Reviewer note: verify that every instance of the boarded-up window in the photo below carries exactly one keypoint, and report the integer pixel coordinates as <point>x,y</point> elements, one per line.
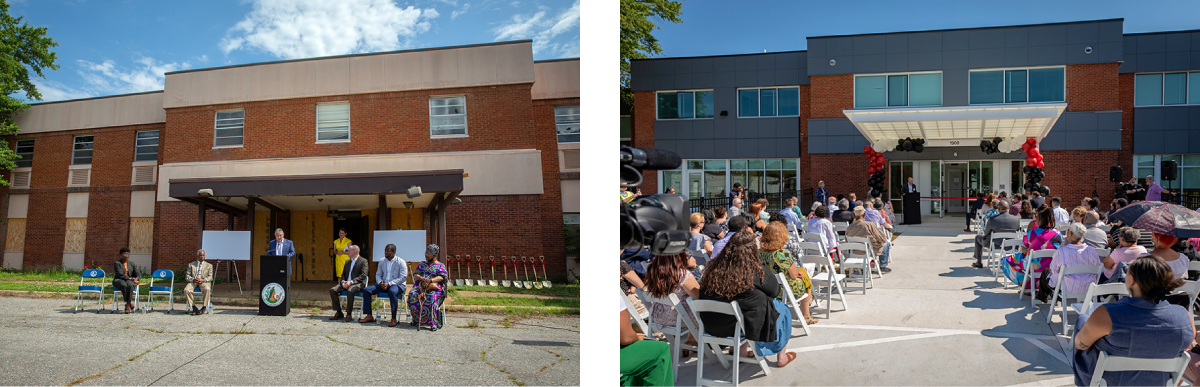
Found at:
<point>16,235</point>
<point>76,235</point>
<point>570,158</point>
<point>141,235</point>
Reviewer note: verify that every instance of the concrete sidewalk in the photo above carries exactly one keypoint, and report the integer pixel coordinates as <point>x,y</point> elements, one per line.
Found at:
<point>46,344</point>
<point>934,320</point>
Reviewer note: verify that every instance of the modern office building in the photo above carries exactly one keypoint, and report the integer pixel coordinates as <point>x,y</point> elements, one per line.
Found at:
<point>310,146</point>
<point>1092,96</point>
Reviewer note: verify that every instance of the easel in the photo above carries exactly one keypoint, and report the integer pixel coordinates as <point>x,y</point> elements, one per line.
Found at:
<point>228,263</point>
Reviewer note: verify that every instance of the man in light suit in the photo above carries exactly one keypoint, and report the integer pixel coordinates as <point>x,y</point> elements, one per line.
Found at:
<point>1005,222</point>
<point>281,246</point>
<point>354,279</point>
<point>199,275</point>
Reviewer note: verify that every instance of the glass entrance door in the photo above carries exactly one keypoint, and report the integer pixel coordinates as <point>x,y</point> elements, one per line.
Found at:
<point>956,186</point>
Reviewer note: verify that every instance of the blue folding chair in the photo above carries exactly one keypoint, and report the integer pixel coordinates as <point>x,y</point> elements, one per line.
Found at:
<point>98,289</point>
<point>198,294</point>
<point>162,291</point>
<point>356,313</point>
<point>137,305</point>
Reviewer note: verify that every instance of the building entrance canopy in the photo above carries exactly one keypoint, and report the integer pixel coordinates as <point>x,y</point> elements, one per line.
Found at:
<point>956,125</point>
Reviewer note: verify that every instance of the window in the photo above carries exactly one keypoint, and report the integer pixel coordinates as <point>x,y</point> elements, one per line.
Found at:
<point>229,128</point>
<point>146,148</point>
<point>876,91</point>
<point>714,178</point>
<point>82,154</point>
<point>448,116</point>
<point>1188,182</point>
<point>25,150</point>
<point>333,122</point>
<point>780,102</point>
<point>1166,89</point>
<point>1017,86</point>
<point>566,119</point>
<point>685,104</point>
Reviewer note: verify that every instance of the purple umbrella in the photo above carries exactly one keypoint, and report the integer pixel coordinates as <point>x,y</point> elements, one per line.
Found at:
<point>1159,217</point>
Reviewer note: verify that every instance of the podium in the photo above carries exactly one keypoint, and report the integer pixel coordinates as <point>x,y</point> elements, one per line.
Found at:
<point>274,286</point>
<point>912,208</point>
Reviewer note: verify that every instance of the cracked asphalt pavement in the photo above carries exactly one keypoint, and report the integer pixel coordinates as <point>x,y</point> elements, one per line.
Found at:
<point>45,343</point>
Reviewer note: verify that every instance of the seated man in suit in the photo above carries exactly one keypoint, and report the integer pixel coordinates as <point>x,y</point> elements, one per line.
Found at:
<point>389,279</point>
<point>354,279</point>
<point>199,275</point>
<point>280,246</point>
<point>125,279</point>
<point>1005,222</point>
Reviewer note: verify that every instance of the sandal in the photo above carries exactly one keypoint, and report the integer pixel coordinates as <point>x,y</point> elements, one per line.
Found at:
<point>791,356</point>
<point>811,321</point>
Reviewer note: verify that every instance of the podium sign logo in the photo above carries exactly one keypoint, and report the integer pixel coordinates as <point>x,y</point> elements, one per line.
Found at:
<point>272,294</point>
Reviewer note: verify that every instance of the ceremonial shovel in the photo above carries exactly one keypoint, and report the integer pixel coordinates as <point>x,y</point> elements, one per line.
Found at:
<point>479,265</point>
<point>528,283</point>
<point>505,283</point>
<point>458,271</point>
<point>492,263</point>
<point>469,281</point>
<point>546,280</point>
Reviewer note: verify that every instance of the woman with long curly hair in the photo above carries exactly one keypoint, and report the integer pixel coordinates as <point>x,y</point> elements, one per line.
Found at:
<point>670,274</point>
<point>782,260</point>
<point>738,275</point>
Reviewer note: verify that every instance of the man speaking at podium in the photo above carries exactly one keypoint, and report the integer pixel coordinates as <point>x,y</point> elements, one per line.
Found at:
<point>281,246</point>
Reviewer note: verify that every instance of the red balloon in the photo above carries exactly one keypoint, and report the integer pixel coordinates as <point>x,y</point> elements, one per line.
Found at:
<point>867,149</point>
<point>871,170</point>
<point>1041,164</point>
<point>1030,141</point>
<point>1025,147</point>
<point>1039,158</point>
<point>1034,152</point>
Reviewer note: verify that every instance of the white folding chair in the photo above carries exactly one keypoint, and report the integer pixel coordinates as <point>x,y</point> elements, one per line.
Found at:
<point>1029,273</point>
<point>1110,293</point>
<point>840,230</point>
<point>97,289</point>
<point>1103,253</point>
<point>870,252</point>
<point>1192,288</point>
<point>679,332</point>
<point>1061,294</point>
<point>792,232</point>
<point>820,240</point>
<point>1104,227</point>
<point>854,256</point>
<point>633,313</point>
<point>163,291</point>
<point>793,303</point>
<point>1107,363</point>
<point>1062,227</point>
<point>1008,247</point>
<point>827,278</point>
<point>998,238</point>
<point>736,341</point>
<point>1025,225</point>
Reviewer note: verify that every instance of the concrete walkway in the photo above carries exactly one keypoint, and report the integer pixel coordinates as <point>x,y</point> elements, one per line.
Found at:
<point>933,320</point>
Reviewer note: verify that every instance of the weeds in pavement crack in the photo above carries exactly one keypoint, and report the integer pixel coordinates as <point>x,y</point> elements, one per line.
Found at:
<point>93,376</point>
<point>390,353</point>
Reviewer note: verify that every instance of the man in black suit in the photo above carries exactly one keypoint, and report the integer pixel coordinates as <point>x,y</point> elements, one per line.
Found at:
<point>910,187</point>
<point>354,279</point>
<point>975,206</point>
<point>125,279</point>
<point>1005,222</point>
<point>1037,201</point>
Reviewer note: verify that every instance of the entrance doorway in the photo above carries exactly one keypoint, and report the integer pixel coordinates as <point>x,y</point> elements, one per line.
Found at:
<point>956,186</point>
<point>358,229</point>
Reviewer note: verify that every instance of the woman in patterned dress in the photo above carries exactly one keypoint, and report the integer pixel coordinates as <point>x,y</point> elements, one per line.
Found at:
<point>1041,235</point>
<point>779,259</point>
<point>671,274</point>
<point>427,290</point>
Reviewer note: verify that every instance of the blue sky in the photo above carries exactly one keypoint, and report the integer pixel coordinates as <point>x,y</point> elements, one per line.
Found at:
<point>116,47</point>
<point>712,27</point>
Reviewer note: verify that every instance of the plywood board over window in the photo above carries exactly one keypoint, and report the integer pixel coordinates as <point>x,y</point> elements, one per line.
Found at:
<point>141,235</point>
<point>16,235</point>
<point>76,235</point>
<point>408,219</point>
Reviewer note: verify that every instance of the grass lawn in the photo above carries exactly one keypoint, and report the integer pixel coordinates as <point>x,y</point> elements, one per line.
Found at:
<point>55,287</point>
<point>567,290</point>
<point>516,301</point>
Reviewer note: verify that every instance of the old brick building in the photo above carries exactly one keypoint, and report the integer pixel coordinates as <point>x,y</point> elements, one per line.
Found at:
<point>309,146</point>
<point>1092,97</point>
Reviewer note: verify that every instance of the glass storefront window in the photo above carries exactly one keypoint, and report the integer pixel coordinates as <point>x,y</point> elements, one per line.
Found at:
<point>673,179</point>
<point>986,176</point>
<point>715,178</point>
<point>714,183</point>
<point>935,186</point>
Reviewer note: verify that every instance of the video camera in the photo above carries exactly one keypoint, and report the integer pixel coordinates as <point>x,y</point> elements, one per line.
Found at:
<point>658,221</point>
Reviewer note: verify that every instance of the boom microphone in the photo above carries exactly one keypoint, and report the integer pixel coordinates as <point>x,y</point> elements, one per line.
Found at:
<point>650,158</point>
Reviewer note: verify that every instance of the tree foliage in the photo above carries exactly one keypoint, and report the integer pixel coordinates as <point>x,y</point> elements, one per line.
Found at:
<point>637,40</point>
<point>24,50</point>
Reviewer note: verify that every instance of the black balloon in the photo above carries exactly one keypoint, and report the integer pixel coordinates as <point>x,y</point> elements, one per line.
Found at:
<point>1045,190</point>
<point>919,147</point>
<point>1027,169</point>
<point>908,145</point>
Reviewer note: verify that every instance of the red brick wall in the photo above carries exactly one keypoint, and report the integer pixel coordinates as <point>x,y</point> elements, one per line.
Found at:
<point>45,232</point>
<point>843,173</point>
<point>831,94</point>
<point>498,117</point>
<point>175,232</point>
<point>1092,87</point>
<point>643,134</point>
<point>1069,174</point>
<point>503,226</point>
<point>806,178</point>
<point>107,224</point>
<point>553,238</point>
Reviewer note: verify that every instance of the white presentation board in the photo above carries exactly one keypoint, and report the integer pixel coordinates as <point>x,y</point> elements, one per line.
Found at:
<point>410,244</point>
<point>226,245</point>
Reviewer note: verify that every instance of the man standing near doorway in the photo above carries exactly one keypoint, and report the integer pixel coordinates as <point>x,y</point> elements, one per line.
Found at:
<point>280,246</point>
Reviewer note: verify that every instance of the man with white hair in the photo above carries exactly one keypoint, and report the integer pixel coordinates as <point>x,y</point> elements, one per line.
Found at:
<point>199,275</point>
<point>353,280</point>
<point>280,246</point>
<point>1153,190</point>
<point>832,204</point>
<point>736,209</point>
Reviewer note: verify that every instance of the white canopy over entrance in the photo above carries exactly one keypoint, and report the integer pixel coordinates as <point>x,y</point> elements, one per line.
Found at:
<point>956,125</point>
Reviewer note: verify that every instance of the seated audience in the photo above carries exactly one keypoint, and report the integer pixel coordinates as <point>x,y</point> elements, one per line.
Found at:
<point>1077,214</point>
<point>1074,253</point>
<point>126,279</point>
<point>199,275</point>
<point>1128,251</point>
<point>643,362</point>
<point>671,274</point>
<point>762,211</point>
<point>427,290</point>
<point>832,203</point>
<point>812,209</point>
<point>791,216</point>
<point>1174,259</point>
<point>1095,236</point>
<point>779,259</point>
<point>1027,210</point>
<point>757,223</point>
<point>1015,208</point>
<point>1142,326</point>
<point>844,213</point>
<point>796,207</point>
<point>629,282</point>
<point>1060,214</point>
<point>1041,236</point>
<point>865,229</point>
<point>872,213</point>
<point>736,224</point>
<point>1001,221</point>
<point>699,245</point>
<point>823,227</point>
<point>738,275</point>
<point>1037,201</point>
<point>720,217</point>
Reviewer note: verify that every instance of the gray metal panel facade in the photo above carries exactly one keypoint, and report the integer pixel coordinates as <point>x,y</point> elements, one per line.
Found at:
<point>1166,129</point>
<point>730,138</point>
<point>1166,51</point>
<point>1097,130</point>
<point>834,135</point>
<point>1018,46</point>
<point>752,70</point>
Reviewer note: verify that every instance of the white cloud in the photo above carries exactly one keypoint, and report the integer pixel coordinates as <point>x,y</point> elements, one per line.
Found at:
<point>108,78</point>
<point>203,58</point>
<point>543,30</point>
<point>292,29</point>
<point>456,13</point>
<point>55,91</point>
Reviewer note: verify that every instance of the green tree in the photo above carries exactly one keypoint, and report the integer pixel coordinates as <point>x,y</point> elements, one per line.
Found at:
<point>23,49</point>
<point>637,42</point>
